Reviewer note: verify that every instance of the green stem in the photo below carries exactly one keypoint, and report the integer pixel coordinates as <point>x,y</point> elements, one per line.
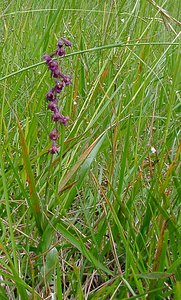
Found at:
<point>117,45</point>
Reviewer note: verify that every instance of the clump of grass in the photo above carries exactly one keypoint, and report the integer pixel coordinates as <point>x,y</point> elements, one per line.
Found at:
<point>100,219</point>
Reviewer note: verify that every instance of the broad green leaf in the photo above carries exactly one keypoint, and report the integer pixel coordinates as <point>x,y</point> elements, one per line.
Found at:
<point>50,265</point>
<point>177,295</point>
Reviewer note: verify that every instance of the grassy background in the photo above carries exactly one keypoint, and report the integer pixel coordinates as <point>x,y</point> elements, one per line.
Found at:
<point>99,220</point>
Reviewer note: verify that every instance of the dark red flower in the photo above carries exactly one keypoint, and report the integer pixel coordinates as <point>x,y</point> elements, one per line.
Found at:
<point>61,51</point>
<point>59,86</point>
<point>47,58</point>
<point>56,116</point>
<point>54,149</point>
<point>66,42</point>
<point>67,79</point>
<point>60,43</point>
<point>53,106</point>
<point>53,65</point>
<point>56,73</point>
<point>53,135</point>
<point>50,96</point>
<point>64,120</point>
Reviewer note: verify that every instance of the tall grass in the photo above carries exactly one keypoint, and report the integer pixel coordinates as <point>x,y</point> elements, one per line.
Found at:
<point>101,219</point>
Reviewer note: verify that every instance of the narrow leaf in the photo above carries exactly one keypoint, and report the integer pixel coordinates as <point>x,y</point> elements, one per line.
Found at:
<point>34,200</point>
<point>79,244</point>
<point>154,275</point>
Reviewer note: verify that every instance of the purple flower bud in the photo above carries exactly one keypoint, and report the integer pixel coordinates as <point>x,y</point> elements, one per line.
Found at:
<point>54,149</point>
<point>53,106</point>
<point>50,96</point>
<point>67,79</point>
<point>56,73</point>
<point>56,116</point>
<point>64,120</point>
<point>60,43</point>
<point>59,86</point>
<point>52,64</point>
<point>47,58</point>
<point>61,51</point>
<point>66,42</point>
<point>53,135</point>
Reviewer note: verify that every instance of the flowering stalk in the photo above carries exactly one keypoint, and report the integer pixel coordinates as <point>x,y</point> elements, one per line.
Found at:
<point>61,82</point>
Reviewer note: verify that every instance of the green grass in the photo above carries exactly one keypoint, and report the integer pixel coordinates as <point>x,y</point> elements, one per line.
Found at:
<point>100,219</point>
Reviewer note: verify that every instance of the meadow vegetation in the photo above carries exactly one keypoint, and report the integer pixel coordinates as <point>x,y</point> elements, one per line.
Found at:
<point>100,218</point>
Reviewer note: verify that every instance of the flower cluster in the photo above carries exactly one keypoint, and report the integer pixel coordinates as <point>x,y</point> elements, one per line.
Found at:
<point>61,82</point>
